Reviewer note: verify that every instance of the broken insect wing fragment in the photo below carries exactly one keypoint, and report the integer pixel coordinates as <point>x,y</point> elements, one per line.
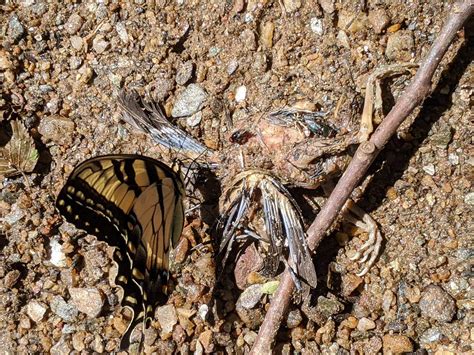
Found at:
<point>281,236</point>
<point>313,121</point>
<point>149,118</point>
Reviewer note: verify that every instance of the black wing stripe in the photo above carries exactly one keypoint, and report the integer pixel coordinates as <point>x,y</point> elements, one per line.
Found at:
<point>135,204</point>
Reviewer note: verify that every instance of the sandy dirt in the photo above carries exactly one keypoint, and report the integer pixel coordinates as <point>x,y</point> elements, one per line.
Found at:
<point>61,69</point>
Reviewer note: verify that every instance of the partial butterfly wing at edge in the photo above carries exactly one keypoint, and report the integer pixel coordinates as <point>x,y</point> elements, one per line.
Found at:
<point>133,203</point>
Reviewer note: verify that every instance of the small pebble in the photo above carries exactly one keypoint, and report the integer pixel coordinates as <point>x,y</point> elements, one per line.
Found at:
<point>394,28</point>
<point>437,304</point>
<point>213,51</point>
<point>453,159</point>
<point>400,46</point>
<point>65,311</point>
<point>266,36</point>
<point>57,258</point>
<point>194,120</point>
<point>294,319</point>
<point>15,215</point>
<point>232,66</point>
<point>36,310</point>
<point>329,306</point>
<point>252,318</point>
<point>76,42</point>
<point>122,32</point>
<point>185,72</point>
<point>87,300</point>
<point>189,101</point>
<point>78,341</point>
<point>162,88</point>
<point>62,347</point>
<point>250,297</point>
<point>350,283</point>
<point>203,311</point>
<point>240,93</point>
<point>56,129</point>
<point>379,20</point>
<point>15,29</point>
<point>469,198</point>
<point>250,337</point>
<point>413,294</point>
<point>429,169</point>
<point>166,316</point>
<point>291,5</point>
<point>199,349</point>
<point>397,344</point>
<point>316,25</point>
<point>5,60</point>
<point>115,80</point>
<point>365,324</point>
<point>99,44</point>
<point>206,340</point>
<point>431,335</point>
<point>387,300</point>
<point>11,278</point>
<point>73,24</point>
<point>75,62</point>
<point>25,322</point>
<point>151,335</point>
<point>327,6</point>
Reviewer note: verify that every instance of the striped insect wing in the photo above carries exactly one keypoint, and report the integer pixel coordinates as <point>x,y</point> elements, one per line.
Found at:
<point>135,204</point>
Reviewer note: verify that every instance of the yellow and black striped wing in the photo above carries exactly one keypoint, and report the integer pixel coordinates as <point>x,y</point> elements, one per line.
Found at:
<point>133,203</point>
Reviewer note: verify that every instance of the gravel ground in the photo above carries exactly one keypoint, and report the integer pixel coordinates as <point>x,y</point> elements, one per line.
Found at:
<point>216,66</point>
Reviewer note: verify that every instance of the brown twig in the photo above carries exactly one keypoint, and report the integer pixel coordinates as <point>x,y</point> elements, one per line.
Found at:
<point>414,94</point>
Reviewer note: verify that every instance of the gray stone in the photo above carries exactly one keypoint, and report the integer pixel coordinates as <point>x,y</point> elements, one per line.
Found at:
<point>122,32</point>
<point>76,42</point>
<point>64,310</point>
<point>316,25</point>
<point>15,215</point>
<point>232,66</point>
<point>185,72</point>
<point>437,304</point>
<point>194,120</point>
<point>250,297</point>
<point>15,29</point>
<point>431,335</point>
<point>294,319</point>
<point>87,300</point>
<point>469,198</point>
<point>190,101</point>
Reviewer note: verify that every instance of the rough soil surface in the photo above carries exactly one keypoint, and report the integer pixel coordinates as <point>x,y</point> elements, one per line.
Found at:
<point>61,69</point>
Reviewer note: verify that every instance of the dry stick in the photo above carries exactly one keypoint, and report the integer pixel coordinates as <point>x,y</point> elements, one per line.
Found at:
<point>414,94</point>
